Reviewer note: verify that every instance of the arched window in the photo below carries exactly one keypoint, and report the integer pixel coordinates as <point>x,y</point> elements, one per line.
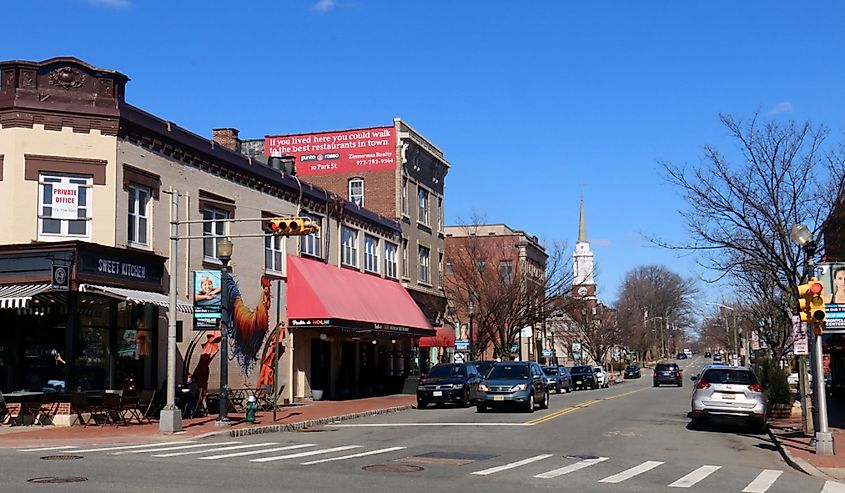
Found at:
<point>356,191</point>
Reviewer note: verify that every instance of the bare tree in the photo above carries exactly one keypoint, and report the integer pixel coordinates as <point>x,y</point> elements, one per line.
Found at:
<point>594,325</point>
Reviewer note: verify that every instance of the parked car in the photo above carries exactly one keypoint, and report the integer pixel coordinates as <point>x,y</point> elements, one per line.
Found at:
<point>520,383</point>
<point>483,367</point>
<point>667,373</point>
<point>728,393</point>
<point>565,378</point>
<point>707,354</point>
<point>601,377</point>
<point>449,383</point>
<point>583,377</point>
<point>681,356</point>
<point>717,357</point>
<point>632,371</point>
<point>554,380</point>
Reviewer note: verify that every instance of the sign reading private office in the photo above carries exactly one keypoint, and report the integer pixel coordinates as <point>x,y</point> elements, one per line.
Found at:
<point>65,201</point>
<point>208,300</point>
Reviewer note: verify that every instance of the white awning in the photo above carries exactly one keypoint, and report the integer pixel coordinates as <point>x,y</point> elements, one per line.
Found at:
<point>18,295</point>
<point>136,296</point>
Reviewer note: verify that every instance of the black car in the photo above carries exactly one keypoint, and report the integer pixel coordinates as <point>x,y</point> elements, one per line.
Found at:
<point>681,356</point>
<point>632,371</point>
<point>707,354</point>
<point>667,373</point>
<point>583,377</point>
<point>449,383</point>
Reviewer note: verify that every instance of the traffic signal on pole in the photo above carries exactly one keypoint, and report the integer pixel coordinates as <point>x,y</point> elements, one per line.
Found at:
<point>811,303</point>
<point>287,226</point>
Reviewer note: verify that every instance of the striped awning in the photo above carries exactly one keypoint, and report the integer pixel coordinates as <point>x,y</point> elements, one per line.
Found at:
<point>136,296</point>
<point>18,295</point>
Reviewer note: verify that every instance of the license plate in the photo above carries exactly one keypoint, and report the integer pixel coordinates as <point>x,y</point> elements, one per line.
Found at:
<point>728,396</point>
<point>578,382</point>
<point>437,393</point>
<point>498,397</point>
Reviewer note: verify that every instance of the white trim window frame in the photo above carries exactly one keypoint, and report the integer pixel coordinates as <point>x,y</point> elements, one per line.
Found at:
<point>137,233</point>
<point>405,195</point>
<point>356,191</point>
<point>49,228</point>
<point>274,254</point>
<point>348,247</point>
<point>212,231</point>
<point>423,206</point>
<point>425,264</point>
<point>311,244</point>
<point>405,268</point>
<point>390,260</point>
<point>371,254</point>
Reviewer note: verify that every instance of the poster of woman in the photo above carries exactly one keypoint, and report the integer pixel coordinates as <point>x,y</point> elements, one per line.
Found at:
<point>207,299</point>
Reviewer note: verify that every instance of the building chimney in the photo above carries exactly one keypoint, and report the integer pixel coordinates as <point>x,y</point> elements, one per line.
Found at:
<point>227,137</point>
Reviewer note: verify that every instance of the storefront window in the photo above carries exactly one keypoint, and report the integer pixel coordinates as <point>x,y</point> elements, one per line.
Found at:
<point>135,346</point>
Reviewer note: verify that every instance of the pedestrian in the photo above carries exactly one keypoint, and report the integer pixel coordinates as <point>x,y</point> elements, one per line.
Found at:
<point>191,394</point>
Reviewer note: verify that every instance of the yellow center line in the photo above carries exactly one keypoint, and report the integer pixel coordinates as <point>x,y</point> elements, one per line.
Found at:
<point>576,407</point>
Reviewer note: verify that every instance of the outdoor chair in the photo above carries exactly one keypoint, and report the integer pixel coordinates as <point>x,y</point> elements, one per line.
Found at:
<point>5,412</point>
<point>147,403</point>
<point>264,396</point>
<point>80,403</point>
<point>48,408</point>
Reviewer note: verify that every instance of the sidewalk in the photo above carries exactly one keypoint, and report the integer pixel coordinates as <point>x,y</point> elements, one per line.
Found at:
<point>795,446</point>
<point>297,416</point>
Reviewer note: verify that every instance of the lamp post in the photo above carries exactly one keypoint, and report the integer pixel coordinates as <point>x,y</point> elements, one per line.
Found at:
<point>471,313</point>
<point>801,234</point>
<point>731,334</point>
<point>224,253</point>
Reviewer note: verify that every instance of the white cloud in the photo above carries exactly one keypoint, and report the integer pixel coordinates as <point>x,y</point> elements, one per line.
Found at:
<point>117,4</point>
<point>323,6</point>
<point>782,107</point>
<point>603,243</point>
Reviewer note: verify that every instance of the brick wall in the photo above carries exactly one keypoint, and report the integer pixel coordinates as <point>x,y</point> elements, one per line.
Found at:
<point>227,137</point>
<point>379,189</point>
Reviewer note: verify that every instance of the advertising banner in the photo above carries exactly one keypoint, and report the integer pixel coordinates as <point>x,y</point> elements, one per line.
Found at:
<point>800,341</point>
<point>346,151</point>
<point>832,276</point>
<point>208,300</point>
<point>65,197</point>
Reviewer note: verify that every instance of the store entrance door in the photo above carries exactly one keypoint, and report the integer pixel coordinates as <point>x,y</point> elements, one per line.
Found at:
<point>321,353</point>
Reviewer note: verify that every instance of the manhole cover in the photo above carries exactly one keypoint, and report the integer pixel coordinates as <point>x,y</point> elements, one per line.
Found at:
<point>53,479</point>
<point>582,457</point>
<point>61,457</point>
<point>391,468</point>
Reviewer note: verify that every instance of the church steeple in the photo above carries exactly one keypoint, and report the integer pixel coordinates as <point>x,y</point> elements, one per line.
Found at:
<point>582,225</point>
<point>584,283</point>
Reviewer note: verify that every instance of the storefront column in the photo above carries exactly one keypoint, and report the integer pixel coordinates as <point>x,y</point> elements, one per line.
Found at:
<point>357,381</point>
<point>71,329</point>
<point>111,378</point>
<point>334,364</point>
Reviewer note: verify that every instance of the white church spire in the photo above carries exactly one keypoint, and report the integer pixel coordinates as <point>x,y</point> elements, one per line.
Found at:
<point>584,283</point>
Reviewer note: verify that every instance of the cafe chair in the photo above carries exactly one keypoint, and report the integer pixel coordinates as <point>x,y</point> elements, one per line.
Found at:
<point>148,404</point>
<point>114,409</point>
<point>48,408</point>
<point>80,404</point>
<point>5,412</point>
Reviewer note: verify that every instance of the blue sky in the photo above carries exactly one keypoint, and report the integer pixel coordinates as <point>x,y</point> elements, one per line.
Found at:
<point>528,100</point>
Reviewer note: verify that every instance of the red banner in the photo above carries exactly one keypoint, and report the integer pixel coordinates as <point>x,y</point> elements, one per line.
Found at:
<point>347,151</point>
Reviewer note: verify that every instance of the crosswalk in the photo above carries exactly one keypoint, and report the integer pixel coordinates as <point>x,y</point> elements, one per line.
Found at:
<point>539,467</point>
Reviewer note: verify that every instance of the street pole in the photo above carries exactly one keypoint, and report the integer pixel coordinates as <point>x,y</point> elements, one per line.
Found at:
<point>224,253</point>
<point>170,418</point>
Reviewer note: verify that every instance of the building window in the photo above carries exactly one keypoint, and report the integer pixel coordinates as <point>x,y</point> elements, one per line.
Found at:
<point>404,195</point>
<point>450,268</point>
<point>425,274</point>
<point>64,202</point>
<point>274,254</point>
<point>440,269</point>
<point>310,244</point>
<point>390,260</point>
<point>506,271</point>
<point>356,191</point>
<point>212,231</point>
<point>423,217</point>
<point>439,213</point>
<point>139,202</point>
<point>370,253</point>
<point>349,247</point>
<point>404,258</point>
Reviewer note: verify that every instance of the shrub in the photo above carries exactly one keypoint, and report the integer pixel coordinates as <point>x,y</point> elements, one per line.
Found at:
<point>775,384</point>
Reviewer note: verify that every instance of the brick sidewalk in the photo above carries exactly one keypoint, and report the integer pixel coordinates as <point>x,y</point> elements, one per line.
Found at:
<point>307,413</point>
<point>795,445</point>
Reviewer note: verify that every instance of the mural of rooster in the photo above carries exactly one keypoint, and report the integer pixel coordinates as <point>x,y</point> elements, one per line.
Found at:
<point>248,327</point>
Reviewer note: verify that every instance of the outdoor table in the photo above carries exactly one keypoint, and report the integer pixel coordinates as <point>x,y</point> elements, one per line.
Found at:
<point>30,403</point>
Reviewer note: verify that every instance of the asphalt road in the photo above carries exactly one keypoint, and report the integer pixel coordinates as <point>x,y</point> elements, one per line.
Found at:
<point>630,437</point>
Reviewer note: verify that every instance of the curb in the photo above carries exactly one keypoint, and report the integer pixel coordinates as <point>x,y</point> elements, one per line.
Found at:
<point>258,430</point>
<point>797,462</point>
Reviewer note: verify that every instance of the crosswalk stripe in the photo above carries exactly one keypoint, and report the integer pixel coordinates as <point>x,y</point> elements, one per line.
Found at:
<point>178,447</point>
<point>695,476</point>
<point>763,481</point>
<point>44,449</point>
<point>128,447</point>
<point>512,465</point>
<point>630,473</point>
<point>221,449</point>
<point>570,468</point>
<point>833,487</point>
<point>354,456</point>
<point>254,452</point>
<point>306,454</point>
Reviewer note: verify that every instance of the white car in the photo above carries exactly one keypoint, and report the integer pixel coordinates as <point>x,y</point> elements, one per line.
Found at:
<point>601,377</point>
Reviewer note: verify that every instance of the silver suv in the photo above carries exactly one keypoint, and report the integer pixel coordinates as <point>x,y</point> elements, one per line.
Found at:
<point>730,393</point>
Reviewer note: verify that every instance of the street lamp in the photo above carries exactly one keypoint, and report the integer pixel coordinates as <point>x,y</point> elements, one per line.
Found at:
<point>471,313</point>
<point>731,335</point>
<point>801,234</point>
<point>224,253</point>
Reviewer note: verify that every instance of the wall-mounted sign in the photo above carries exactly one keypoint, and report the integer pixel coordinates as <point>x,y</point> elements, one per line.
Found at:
<point>65,197</point>
<point>60,276</point>
<point>310,322</point>
<point>120,266</point>
<point>208,300</point>
<point>462,345</point>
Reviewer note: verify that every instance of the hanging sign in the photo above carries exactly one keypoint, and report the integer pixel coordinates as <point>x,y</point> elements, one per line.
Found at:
<point>65,201</point>
<point>208,300</point>
<point>800,341</point>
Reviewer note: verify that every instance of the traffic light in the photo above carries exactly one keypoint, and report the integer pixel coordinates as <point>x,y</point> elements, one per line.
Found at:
<point>287,226</point>
<point>812,304</point>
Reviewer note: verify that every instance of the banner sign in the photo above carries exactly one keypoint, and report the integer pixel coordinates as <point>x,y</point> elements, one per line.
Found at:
<point>208,300</point>
<point>346,151</point>
<point>832,276</point>
<point>755,341</point>
<point>800,341</point>
<point>462,345</point>
<point>65,201</point>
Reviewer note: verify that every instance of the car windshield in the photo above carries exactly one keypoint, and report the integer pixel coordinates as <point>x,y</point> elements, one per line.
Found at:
<point>550,371</point>
<point>581,369</point>
<point>666,367</point>
<point>508,372</point>
<point>729,376</point>
<point>484,367</point>
<point>440,371</point>
<point>632,367</point>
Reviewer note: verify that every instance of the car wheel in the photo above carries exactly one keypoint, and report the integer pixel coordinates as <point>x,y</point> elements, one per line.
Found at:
<point>466,402</point>
<point>421,404</point>
<point>558,389</point>
<point>569,389</point>
<point>530,404</point>
<point>680,384</point>
<point>481,408</point>
<point>655,384</point>
<point>545,404</point>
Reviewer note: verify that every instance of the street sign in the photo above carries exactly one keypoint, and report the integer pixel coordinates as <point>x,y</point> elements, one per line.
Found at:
<point>460,357</point>
<point>800,341</point>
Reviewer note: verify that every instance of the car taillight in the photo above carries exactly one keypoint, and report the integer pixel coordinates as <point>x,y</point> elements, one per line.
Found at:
<point>677,374</point>
<point>702,384</point>
<point>755,387</point>
<point>654,374</point>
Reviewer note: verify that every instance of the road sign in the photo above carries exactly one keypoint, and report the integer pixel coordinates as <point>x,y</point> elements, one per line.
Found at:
<point>800,341</point>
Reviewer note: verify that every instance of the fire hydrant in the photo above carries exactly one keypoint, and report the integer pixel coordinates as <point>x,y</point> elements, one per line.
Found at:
<point>251,406</point>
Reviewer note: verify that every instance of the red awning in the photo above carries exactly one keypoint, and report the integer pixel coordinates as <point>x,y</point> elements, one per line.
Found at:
<point>445,338</point>
<point>321,295</point>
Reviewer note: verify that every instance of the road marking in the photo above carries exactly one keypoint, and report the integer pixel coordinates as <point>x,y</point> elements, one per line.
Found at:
<point>576,407</point>
<point>763,481</point>
<point>306,454</point>
<point>222,449</point>
<point>571,468</point>
<point>833,487</point>
<point>398,425</point>
<point>44,449</point>
<point>695,476</point>
<point>165,449</point>
<point>512,465</point>
<point>254,452</point>
<point>354,456</point>
<point>630,473</point>
<point>127,447</point>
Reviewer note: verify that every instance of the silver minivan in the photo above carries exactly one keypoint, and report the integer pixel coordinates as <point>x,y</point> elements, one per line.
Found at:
<point>728,393</point>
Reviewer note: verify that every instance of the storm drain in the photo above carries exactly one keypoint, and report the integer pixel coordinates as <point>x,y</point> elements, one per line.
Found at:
<point>447,458</point>
<point>391,468</point>
<point>61,457</point>
<point>582,457</point>
<point>54,479</point>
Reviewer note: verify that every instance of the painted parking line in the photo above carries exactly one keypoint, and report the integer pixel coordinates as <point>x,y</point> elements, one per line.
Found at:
<point>763,481</point>
<point>571,468</point>
<point>256,452</point>
<point>512,465</point>
<point>128,447</point>
<point>168,448</point>
<point>833,487</point>
<point>354,456</point>
<point>695,476</point>
<point>306,454</point>
<point>630,473</point>
<point>221,449</point>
